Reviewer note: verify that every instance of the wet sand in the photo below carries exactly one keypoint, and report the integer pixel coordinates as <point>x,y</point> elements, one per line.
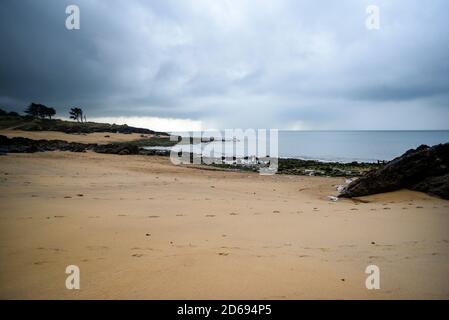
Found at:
<point>140,227</point>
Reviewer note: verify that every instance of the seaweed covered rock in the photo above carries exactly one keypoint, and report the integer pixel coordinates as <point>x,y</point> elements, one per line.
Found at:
<point>117,148</point>
<point>423,169</point>
<point>25,145</point>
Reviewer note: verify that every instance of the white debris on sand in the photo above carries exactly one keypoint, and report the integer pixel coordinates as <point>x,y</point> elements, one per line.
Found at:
<point>341,187</point>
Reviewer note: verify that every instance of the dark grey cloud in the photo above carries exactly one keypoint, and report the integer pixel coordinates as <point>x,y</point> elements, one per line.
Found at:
<point>285,64</point>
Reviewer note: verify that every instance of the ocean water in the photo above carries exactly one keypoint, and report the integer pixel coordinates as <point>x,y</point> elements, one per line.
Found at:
<point>347,146</point>
<point>341,146</point>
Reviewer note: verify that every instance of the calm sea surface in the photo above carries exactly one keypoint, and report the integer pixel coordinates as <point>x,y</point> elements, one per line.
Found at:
<point>345,146</point>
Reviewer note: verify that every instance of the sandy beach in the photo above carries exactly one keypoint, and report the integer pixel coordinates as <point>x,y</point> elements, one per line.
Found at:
<point>139,227</point>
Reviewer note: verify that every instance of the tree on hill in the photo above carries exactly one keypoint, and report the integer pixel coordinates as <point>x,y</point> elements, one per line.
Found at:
<point>33,110</point>
<point>13,114</point>
<point>76,114</point>
<point>45,112</point>
<point>10,113</point>
<point>40,110</point>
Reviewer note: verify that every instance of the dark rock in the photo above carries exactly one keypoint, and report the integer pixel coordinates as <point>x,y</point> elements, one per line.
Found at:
<point>438,186</point>
<point>24,145</point>
<point>146,152</point>
<point>424,169</point>
<point>117,148</point>
<point>163,152</point>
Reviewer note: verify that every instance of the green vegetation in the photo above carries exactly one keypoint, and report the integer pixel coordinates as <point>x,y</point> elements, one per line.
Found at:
<point>331,169</point>
<point>39,118</point>
<point>310,167</point>
<point>29,123</point>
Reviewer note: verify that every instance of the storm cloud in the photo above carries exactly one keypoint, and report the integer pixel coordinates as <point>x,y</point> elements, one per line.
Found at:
<point>222,64</point>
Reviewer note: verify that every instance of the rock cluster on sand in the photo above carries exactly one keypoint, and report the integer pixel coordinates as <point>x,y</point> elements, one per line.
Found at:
<point>423,169</point>
<point>25,145</point>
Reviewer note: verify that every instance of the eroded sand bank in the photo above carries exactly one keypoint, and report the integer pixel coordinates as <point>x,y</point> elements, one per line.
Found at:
<point>96,137</point>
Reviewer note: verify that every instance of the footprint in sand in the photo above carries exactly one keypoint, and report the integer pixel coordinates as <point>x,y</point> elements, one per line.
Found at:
<point>386,208</point>
<point>59,216</point>
<point>180,215</point>
<point>276,211</point>
<point>137,255</point>
<point>223,253</point>
<point>67,197</point>
<point>233,214</point>
<point>419,207</point>
<point>122,215</point>
<point>354,209</point>
<point>210,215</point>
<point>153,216</point>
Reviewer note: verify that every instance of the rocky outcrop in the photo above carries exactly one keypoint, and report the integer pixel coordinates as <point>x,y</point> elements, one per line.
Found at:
<point>423,169</point>
<point>154,152</point>
<point>31,124</point>
<point>25,145</point>
<point>117,148</point>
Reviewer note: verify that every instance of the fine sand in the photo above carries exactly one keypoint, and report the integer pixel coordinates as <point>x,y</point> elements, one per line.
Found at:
<point>97,137</point>
<point>140,227</point>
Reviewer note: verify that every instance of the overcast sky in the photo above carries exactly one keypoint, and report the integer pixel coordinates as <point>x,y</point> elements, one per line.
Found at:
<point>231,64</point>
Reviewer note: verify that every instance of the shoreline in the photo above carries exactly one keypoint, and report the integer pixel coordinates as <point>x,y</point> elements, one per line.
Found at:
<point>23,142</point>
